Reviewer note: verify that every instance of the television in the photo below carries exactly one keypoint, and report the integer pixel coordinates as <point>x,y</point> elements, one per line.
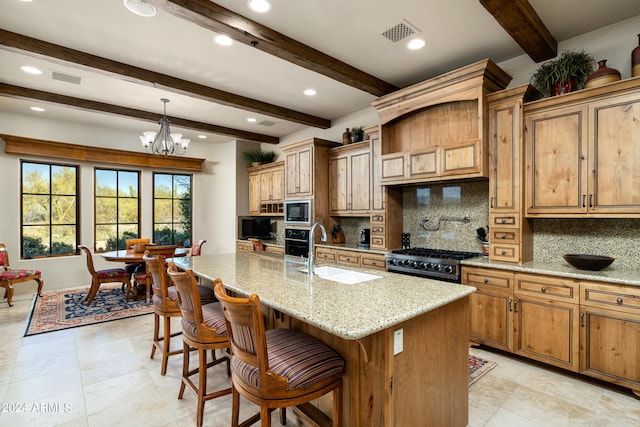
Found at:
<point>258,228</point>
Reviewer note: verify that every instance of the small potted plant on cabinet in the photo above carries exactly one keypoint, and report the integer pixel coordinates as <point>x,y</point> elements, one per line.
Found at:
<point>258,157</point>
<point>357,134</point>
<point>567,73</point>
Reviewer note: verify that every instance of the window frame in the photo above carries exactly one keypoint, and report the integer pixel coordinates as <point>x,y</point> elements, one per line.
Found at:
<point>174,199</point>
<point>50,224</point>
<point>117,197</point>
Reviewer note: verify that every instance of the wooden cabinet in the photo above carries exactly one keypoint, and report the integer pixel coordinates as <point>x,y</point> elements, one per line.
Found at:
<point>510,237</point>
<point>610,333</point>
<point>274,249</point>
<point>244,246</point>
<point>350,180</point>
<point>583,157</point>
<point>351,258</point>
<point>266,189</point>
<point>534,316</point>
<point>299,170</point>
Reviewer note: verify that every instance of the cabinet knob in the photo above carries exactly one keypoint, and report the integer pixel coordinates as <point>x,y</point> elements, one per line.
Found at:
<point>486,280</point>
<point>504,235</point>
<point>543,289</point>
<point>503,220</point>
<point>503,252</point>
<point>619,300</point>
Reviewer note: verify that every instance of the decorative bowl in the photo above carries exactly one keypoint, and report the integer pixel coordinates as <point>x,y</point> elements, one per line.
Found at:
<point>588,262</point>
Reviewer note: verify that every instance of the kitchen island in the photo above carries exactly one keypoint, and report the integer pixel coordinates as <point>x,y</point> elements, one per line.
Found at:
<point>404,338</point>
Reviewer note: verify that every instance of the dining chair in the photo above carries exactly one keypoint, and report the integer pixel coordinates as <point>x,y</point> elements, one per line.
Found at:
<point>165,305</point>
<point>9,276</point>
<point>98,277</point>
<point>203,328</point>
<point>130,246</point>
<point>277,368</point>
<point>142,278</point>
<point>196,248</point>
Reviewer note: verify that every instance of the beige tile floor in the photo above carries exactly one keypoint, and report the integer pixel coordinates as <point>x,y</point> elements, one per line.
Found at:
<point>101,375</point>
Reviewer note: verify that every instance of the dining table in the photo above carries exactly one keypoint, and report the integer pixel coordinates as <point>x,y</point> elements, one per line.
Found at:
<point>125,256</point>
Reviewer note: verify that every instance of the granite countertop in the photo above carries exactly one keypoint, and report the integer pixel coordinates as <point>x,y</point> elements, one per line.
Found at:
<point>349,247</point>
<point>348,311</point>
<point>610,274</point>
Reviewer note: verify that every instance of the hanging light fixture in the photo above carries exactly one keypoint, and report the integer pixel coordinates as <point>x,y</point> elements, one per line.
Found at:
<point>164,142</point>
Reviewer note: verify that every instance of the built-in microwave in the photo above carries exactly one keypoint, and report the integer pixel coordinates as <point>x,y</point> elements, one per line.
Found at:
<point>297,212</point>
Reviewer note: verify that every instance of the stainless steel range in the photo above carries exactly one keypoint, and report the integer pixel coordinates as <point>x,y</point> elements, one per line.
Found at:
<point>431,263</point>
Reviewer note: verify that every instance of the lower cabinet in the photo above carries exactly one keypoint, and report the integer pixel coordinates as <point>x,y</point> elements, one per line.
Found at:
<point>244,246</point>
<point>587,327</point>
<point>351,258</point>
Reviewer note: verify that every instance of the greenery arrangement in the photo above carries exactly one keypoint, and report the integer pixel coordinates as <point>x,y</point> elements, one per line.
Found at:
<point>259,156</point>
<point>571,66</point>
<point>357,134</point>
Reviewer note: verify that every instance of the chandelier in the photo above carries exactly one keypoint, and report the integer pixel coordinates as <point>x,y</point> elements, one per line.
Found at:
<point>164,142</point>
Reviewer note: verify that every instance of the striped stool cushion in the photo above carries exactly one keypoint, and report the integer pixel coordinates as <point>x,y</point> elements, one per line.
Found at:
<point>206,296</point>
<point>300,358</point>
<point>213,318</point>
<point>112,273</point>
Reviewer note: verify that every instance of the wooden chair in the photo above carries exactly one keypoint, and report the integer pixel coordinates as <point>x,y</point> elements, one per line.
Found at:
<point>110,275</point>
<point>165,305</point>
<point>279,367</point>
<point>142,277</point>
<point>130,246</point>
<point>9,276</point>
<point>203,328</point>
<point>196,248</point>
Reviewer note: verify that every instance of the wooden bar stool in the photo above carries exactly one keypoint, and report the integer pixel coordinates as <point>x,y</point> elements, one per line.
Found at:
<point>203,328</point>
<point>279,367</point>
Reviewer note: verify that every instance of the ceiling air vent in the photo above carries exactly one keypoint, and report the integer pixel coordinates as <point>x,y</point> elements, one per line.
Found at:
<point>400,32</point>
<point>67,78</point>
<point>266,123</point>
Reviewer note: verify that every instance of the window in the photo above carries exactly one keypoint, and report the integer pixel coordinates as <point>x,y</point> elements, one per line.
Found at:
<point>172,209</point>
<point>117,208</point>
<point>49,202</point>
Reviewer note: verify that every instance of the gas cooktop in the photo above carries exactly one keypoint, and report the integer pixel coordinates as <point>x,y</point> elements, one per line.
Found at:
<point>427,262</point>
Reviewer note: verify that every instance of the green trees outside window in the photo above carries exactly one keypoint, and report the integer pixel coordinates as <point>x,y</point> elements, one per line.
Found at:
<point>117,208</point>
<point>172,209</point>
<point>49,214</point>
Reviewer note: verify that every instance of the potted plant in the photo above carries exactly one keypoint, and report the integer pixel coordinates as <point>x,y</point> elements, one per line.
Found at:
<point>566,73</point>
<point>357,134</point>
<point>258,157</point>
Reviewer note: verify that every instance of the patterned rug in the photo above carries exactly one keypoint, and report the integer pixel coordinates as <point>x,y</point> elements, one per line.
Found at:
<point>478,367</point>
<point>57,310</point>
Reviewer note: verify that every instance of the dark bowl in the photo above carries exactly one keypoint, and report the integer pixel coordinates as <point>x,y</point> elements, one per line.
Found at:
<point>588,262</point>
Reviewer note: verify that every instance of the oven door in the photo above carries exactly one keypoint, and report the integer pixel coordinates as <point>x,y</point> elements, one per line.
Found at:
<point>296,248</point>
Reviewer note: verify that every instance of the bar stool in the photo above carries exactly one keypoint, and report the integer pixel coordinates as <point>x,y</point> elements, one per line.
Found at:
<point>279,367</point>
<point>203,328</point>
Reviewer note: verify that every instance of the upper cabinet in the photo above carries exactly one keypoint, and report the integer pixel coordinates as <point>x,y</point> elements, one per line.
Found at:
<point>350,180</point>
<point>299,167</point>
<point>583,153</point>
<point>437,129</point>
<point>266,189</point>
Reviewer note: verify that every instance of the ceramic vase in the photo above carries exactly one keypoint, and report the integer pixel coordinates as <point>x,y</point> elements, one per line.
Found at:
<point>602,75</point>
<point>564,87</point>
<point>346,137</point>
<point>635,60</point>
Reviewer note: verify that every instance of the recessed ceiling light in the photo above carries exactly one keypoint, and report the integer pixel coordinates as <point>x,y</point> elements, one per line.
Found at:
<point>310,92</point>
<point>223,40</point>
<point>38,109</point>
<point>140,7</point>
<point>416,44</point>
<point>252,120</point>
<point>31,70</point>
<point>260,6</point>
<point>202,136</point>
<point>26,1</point>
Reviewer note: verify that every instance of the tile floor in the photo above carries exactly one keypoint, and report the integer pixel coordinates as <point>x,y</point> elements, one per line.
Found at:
<point>101,375</point>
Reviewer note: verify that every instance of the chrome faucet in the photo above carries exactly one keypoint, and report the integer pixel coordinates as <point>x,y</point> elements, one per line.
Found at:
<point>312,258</point>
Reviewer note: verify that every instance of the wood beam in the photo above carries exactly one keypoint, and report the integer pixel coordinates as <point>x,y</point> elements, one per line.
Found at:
<point>61,150</point>
<point>216,18</point>
<point>523,24</point>
<point>75,58</point>
<point>88,105</point>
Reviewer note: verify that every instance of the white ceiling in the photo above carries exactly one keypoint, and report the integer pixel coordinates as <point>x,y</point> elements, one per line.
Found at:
<point>458,32</point>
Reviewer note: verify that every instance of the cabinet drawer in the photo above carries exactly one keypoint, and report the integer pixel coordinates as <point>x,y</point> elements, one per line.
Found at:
<point>378,241</point>
<point>377,229</point>
<point>377,218</point>
<point>508,235</point>
<point>377,262</point>
<point>349,258</point>
<point>614,297</point>
<point>504,252</point>
<point>275,249</point>
<point>325,254</point>
<point>553,288</point>
<point>244,246</point>
<point>487,278</point>
<point>504,221</point>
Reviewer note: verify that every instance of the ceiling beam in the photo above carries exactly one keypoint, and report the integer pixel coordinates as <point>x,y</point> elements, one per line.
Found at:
<point>523,24</point>
<point>216,18</point>
<point>66,56</point>
<point>88,105</point>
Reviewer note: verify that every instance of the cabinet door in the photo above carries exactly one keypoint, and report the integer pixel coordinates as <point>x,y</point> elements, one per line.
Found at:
<point>505,130</point>
<point>254,193</point>
<point>360,182</point>
<point>305,171</point>
<point>556,161</point>
<point>292,184</point>
<point>615,145</point>
<point>461,159</point>
<point>377,191</point>
<point>338,201</point>
<point>277,185</point>
<point>265,186</point>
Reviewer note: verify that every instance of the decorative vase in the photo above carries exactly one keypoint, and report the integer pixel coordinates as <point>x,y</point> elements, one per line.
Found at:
<point>566,86</point>
<point>602,75</point>
<point>346,137</point>
<point>635,60</point>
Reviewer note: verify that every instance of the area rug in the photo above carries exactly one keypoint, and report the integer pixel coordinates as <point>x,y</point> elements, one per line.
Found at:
<point>479,367</point>
<point>57,310</point>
